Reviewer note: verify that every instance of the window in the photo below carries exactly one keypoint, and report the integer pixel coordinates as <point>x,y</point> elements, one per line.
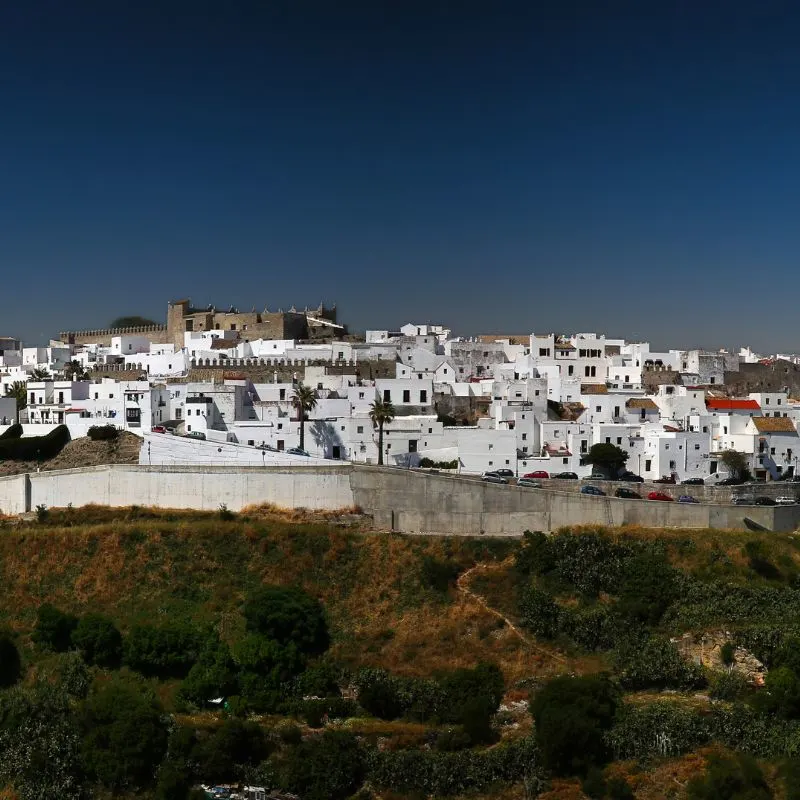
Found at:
<point>570,369</point>
<point>598,409</point>
<point>361,395</point>
<point>608,440</point>
<point>779,401</point>
<point>406,396</point>
<point>666,446</point>
<point>584,446</point>
<point>280,426</point>
<point>282,394</point>
<point>766,400</point>
<point>360,429</point>
<point>423,396</point>
<point>445,370</point>
<point>724,428</point>
<point>524,437</point>
<point>619,440</point>
<point>342,427</point>
<point>544,351</point>
<point>586,372</point>
<point>697,447</point>
<point>536,393</point>
<point>672,465</point>
<point>251,442</point>
<point>430,430</point>
<point>772,451</point>
<point>387,396</point>
<point>705,428</point>
<point>647,465</point>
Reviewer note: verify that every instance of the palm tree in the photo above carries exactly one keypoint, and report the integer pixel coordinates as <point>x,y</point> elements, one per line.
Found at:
<point>381,412</point>
<point>74,371</point>
<point>19,391</point>
<point>304,400</point>
<point>41,375</point>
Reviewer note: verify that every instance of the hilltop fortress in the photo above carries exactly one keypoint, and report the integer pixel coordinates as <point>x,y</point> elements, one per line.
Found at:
<point>315,324</point>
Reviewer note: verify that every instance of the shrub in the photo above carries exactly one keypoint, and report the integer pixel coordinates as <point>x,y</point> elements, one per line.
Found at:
<point>535,555</point>
<point>728,686</point>
<point>102,432</point>
<point>649,585</point>
<point>42,513</point>
<point>10,661</point>
<point>572,716</point>
<point>265,666</point>
<point>730,778</point>
<point>727,654</point>
<point>98,640</point>
<point>54,628</point>
<point>471,698</point>
<point>316,711</point>
<point>664,729</point>
<point>124,734</point>
<point>166,651</point>
<point>32,448</point>
<point>593,627</point>
<point>453,739</point>
<point>434,773</point>
<point>326,767</point>
<point>288,615</point>
<point>781,695</point>
<point>320,679</point>
<point>655,663</point>
<point>437,574</point>
<point>379,694</point>
<point>539,612</point>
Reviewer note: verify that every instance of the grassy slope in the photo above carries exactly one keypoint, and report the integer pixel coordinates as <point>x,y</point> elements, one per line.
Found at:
<point>136,565</point>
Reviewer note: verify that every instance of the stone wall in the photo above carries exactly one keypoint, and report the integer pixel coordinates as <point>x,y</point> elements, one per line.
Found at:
<point>156,334</point>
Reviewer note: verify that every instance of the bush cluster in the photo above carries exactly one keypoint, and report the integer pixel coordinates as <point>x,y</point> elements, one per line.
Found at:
<point>102,432</point>
<point>31,448</point>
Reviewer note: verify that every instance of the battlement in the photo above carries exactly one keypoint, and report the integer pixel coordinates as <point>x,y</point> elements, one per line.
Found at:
<point>155,333</point>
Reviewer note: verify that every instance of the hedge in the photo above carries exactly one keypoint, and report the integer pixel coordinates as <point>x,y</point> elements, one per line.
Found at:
<point>31,448</point>
<point>436,773</point>
<point>102,432</point>
<point>12,432</point>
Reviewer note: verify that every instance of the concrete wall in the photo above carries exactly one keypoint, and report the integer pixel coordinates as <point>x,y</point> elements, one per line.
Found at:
<point>414,502</point>
<point>191,487</point>
<point>401,500</point>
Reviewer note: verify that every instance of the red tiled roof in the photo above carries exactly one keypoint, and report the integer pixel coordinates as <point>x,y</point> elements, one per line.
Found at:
<point>732,404</point>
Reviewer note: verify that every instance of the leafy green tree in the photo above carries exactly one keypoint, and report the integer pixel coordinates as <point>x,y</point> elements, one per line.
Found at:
<point>40,374</point>
<point>10,661</point>
<point>381,413</point>
<point>288,615</point>
<point>304,399</point>
<point>234,745</point>
<point>572,716</point>
<point>379,694</point>
<point>265,666</point>
<point>607,458</point>
<point>40,744</point>
<point>471,698</point>
<point>655,663</point>
<point>326,767</point>
<point>133,322</point>
<point>98,640</point>
<point>649,586</point>
<point>539,612</point>
<point>54,628</point>
<point>124,734</point>
<point>781,695</point>
<point>736,463</point>
<point>164,651</point>
<point>214,675</point>
<point>730,778</point>
<point>74,371</point>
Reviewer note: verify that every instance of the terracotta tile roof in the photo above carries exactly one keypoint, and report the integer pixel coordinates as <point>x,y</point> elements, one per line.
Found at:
<point>594,388</point>
<point>564,346</point>
<point>641,402</point>
<point>774,425</point>
<point>731,404</point>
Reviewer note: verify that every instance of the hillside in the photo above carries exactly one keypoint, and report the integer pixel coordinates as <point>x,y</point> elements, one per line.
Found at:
<point>403,616</point>
<point>83,452</point>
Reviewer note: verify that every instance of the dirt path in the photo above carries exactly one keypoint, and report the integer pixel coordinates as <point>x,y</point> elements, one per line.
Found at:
<point>463,587</point>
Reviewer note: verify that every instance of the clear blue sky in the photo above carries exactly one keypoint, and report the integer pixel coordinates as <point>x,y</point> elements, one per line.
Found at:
<point>499,166</point>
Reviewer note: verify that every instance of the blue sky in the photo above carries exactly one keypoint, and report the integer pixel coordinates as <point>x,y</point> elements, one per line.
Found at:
<point>508,166</point>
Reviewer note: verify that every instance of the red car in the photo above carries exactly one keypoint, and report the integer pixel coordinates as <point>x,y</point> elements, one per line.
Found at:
<point>659,496</point>
<point>539,473</point>
<point>158,429</point>
<point>665,479</point>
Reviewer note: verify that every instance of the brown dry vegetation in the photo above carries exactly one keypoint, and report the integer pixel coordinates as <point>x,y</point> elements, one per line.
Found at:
<point>83,452</point>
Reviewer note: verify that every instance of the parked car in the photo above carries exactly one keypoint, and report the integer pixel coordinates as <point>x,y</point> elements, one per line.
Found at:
<point>529,483</point>
<point>627,494</point>
<point>158,429</point>
<point>687,498</point>
<point>296,451</point>
<point>566,476</point>
<point>665,479</point>
<point>493,477</point>
<point>195,435</point>
<point>731,482</point>
<point>631,477</point>
<point>505,473</point>
<point>693,482</point>
<point>743,500</point>
<point>785,501</point>
<point>763,500</point>
<point>537,473</point>
<point>659,496</point>
<point>593,490</point>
